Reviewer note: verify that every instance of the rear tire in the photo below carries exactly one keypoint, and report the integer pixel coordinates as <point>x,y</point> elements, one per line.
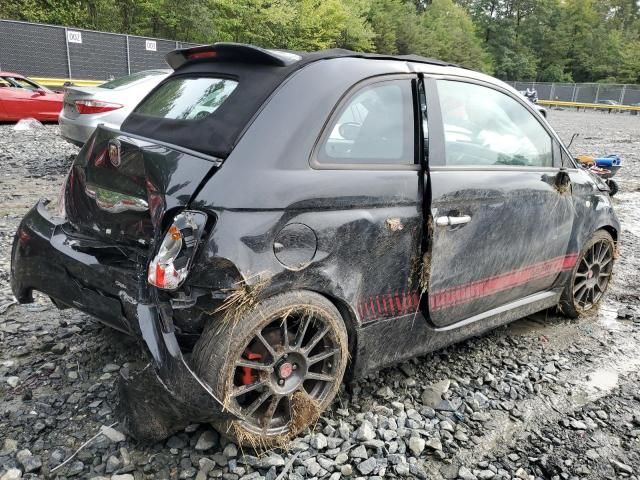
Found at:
<point>278,365</point>
<point>613,187</point>
<point>590,277</point>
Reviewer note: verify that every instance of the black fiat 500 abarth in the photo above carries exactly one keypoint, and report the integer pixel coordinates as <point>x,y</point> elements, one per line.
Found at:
<point>269,222</point>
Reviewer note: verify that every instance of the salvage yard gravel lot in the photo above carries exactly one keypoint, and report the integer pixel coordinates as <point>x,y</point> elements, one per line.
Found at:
<point>544,397</point>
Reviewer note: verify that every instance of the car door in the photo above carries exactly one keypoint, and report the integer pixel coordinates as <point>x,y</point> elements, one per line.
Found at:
<point>17,101</point>
<point>367,159</point>
<point>4,98</point>
<point>39,102</point>
<point>501,210</point>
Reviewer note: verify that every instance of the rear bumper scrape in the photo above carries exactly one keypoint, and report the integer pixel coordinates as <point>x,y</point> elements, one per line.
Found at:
<point>154,402</point>
<point>171,392</point>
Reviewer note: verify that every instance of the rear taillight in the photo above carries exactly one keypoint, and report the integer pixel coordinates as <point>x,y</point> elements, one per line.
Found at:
<point>170,266</point>
<point>95,106</point>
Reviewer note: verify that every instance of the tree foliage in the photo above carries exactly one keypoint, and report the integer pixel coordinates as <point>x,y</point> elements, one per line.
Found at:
<point>544,40</point>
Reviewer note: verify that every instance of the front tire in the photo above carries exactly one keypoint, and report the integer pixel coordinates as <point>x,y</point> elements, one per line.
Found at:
<point>590,276</point>
<point>277,365</point>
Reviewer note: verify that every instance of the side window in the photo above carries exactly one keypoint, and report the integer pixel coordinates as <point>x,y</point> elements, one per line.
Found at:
<point>375,126</point>
<point>22,83</point>
<point>484,127</point>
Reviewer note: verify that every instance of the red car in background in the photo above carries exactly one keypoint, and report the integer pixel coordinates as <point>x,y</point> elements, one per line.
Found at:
<point>23,98</point>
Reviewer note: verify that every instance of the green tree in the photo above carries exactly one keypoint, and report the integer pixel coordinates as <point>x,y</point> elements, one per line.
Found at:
<point>396,26</point>
<point>449,34</point>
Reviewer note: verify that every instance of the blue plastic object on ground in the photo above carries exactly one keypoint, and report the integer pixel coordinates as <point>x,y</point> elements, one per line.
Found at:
<point>608,161</point>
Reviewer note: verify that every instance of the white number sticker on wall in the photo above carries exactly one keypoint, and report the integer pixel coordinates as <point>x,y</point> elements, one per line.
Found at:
<point>150,45</point>
<point>74,37</point>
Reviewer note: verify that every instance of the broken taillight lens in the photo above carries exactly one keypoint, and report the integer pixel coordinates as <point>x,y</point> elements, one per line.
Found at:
<point>170,267</point>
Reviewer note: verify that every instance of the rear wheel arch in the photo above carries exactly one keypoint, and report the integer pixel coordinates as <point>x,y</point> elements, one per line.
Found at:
<point>351,324</point>
<point>346,312</point>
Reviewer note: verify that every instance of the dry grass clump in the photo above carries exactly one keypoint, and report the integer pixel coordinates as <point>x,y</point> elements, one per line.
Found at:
<point>242,298</point>
<point>304,411</point>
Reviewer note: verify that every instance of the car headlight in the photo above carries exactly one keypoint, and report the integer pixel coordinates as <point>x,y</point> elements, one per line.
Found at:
<point>170,267</point>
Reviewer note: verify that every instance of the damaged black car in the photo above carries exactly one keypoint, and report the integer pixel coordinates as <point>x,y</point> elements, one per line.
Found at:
<point>270,223</point>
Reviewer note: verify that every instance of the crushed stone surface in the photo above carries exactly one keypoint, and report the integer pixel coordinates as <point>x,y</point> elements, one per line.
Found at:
<point>544,397</point>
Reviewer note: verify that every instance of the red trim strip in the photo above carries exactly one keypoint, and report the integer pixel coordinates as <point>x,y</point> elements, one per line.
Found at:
<point>407,302</point>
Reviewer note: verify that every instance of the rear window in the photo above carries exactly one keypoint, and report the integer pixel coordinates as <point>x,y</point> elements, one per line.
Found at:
<point>187,98</point>
<point>129,79</point>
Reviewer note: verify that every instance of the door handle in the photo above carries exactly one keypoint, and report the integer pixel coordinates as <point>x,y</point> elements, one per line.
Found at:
<point>448,221</point>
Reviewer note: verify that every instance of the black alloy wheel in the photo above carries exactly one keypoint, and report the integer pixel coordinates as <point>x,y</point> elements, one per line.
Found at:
<point>289,349</point>
<point>591,275</point>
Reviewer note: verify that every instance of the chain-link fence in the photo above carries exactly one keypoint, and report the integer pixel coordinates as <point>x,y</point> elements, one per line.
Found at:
<point>584,92</point>
<point>49,51</point>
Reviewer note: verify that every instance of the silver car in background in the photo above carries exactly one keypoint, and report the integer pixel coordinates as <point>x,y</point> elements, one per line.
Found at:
<point>110,103</point>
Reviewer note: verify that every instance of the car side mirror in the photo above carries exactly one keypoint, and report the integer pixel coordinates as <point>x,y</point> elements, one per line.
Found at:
<point>349,130</point>
<point>40,91</point>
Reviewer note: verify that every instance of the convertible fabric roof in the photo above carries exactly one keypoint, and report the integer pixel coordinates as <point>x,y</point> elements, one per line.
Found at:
<point>258,73</point>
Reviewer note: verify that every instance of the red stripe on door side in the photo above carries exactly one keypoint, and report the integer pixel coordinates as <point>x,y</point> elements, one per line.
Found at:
<point>394,304</point>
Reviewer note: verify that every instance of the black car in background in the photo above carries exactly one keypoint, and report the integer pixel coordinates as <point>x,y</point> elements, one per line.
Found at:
<point>269,222</point>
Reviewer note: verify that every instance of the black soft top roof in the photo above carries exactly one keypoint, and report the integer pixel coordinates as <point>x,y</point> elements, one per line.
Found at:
<point>258,72</point>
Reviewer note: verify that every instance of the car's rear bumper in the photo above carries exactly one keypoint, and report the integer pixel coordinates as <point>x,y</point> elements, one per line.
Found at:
<point>43,258</point>
<point>76,131</point>
<point>46,258</point>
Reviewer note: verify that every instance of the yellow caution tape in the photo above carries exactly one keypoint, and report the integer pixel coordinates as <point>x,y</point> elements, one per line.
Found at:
<point>59,82</point>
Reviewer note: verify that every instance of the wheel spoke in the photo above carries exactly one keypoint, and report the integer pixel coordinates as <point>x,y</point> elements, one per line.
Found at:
<point>581,274</point>
<point>586,264</point>
<point>579,296</point>
<point>603,281</point>
<point>316,338</point>
<point>323,377</point>
<point>302,330</point>
<point>606,262</point>
<point>247,388</point>
<point>590,295</point>
<point>321,356</point>
<point>285,331</point>
<point>268,415</point>
<point>250,410</point>
<point>603,252</point>
<point>266,344</point>
<point>579,286</point>
<point>597,249</point>
<point>254,365</point>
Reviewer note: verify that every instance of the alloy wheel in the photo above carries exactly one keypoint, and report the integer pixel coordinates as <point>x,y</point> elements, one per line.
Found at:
<point>593,274</point>
<point>297,353</point>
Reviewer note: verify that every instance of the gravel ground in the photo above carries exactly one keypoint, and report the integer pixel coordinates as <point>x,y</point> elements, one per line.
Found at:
<point>541,398</point>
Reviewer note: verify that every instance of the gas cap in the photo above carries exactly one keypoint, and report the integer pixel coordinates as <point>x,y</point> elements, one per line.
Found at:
<point>295,246</point>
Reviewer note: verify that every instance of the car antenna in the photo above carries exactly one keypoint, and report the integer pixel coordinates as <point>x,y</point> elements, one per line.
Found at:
<point>573,137</point>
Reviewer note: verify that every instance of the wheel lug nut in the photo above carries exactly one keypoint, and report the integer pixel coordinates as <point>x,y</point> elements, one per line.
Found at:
<point>285,355</point>
<point>281,382</point>
<point>294,366</point>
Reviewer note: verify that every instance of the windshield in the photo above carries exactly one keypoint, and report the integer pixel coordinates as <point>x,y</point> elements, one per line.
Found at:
<point>187,98</point>
<point>19,82</point>
<point>134,77</point>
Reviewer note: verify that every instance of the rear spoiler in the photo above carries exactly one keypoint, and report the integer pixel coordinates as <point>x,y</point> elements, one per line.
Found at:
<point>232,52</point>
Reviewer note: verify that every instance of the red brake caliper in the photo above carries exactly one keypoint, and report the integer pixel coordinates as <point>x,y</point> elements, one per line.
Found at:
<point>248,377</point>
